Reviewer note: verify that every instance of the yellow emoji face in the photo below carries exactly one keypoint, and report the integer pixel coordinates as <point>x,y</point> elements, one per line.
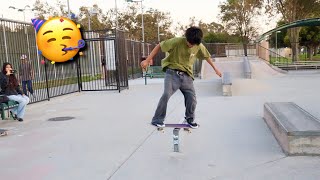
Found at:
<point>57,38</point>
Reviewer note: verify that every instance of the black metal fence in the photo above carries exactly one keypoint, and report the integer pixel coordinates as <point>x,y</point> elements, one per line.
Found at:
<point>104,64</point>
<point>102,67</point>
<point>230,49</point>
<point>18,38</point>
<point>108,60</point>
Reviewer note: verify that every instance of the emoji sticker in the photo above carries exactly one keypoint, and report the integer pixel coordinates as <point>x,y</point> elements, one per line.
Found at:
<point>58,39</point>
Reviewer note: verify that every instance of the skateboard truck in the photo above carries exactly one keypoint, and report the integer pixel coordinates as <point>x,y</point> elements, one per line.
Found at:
<point>176,139</point>
<point>3,132</point>
<point>176,130</point>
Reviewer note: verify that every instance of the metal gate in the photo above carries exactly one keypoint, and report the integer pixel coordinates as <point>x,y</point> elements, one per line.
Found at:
<point>19,38</point>
<point>103,66</point>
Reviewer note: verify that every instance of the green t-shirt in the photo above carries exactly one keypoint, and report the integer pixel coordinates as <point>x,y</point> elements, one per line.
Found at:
<point>180,56</point>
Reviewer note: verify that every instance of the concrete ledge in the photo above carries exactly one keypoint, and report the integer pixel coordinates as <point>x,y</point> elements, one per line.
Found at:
<point>247,68</point>
<point>297,131</point>
<point>226,84</point>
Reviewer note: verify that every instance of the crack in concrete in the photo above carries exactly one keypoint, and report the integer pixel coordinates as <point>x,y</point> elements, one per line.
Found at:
<point>251,167</point>
<point>127,159</point>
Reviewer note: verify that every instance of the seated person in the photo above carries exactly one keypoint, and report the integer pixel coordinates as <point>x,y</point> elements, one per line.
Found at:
<point>10,87</point>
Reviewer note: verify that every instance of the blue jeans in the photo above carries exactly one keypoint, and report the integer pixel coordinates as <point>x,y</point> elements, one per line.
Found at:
<point>172,82</point>
<point>24,87</point>
<point>23,101</point>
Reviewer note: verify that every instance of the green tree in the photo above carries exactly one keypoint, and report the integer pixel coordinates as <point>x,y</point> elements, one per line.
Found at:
<point>42,10</point>
<point>310,37</point>
<point>293,10</point>
<point>130,20</point>
<point>238,16</point>
<point>154,18</point>
<point>221,37</point>
<point>282,37</point>
<point>207,28</point>
<point>94,15</point>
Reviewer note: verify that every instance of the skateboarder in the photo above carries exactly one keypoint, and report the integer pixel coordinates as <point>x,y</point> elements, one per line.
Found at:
<point>178,65</point>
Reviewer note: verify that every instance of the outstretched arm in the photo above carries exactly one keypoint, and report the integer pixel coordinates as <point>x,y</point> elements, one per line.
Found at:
<point>145,63</point>
<point>209,60</point>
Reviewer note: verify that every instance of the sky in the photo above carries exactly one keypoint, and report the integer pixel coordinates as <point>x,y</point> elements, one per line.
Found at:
<point>180,10</point>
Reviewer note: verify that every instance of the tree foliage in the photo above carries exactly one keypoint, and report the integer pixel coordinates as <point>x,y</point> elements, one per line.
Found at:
<point>310,37</point>
<point>293,10</point>
<point>238,16</point>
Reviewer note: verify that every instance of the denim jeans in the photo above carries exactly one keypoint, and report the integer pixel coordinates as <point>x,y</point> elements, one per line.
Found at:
<point>24,87</point>
<point>23,101</point>
<point>172,82</point>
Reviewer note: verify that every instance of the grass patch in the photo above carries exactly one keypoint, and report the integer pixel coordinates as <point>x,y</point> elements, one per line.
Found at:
<point>66,81</point>
<point>281,60</point>
<point>303,57</point>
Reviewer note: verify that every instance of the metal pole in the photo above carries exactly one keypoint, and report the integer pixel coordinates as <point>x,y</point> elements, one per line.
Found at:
<point>26,32</point>
<point>89,24</point>
<point>176,139</point>
<point>116,9</point>
<point>276,46</point>
<point>5,42</point>
<point>90,36</point>
<point>69,15</point>
<point>158,30</point>
<point>142,29</point>
<point>38,59</point>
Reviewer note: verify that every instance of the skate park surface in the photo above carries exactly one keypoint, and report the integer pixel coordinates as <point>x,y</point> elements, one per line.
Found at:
<point>110,136</point>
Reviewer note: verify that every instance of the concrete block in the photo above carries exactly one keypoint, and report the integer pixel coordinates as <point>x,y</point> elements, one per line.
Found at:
<point>296,130</point>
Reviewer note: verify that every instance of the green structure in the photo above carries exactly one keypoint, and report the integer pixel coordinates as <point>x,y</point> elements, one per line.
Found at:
<point>300,23</point>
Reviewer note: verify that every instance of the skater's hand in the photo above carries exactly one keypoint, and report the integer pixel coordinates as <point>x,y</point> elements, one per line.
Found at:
<point>218,73</point>
<point>8,71</point>
<point>144,64</point>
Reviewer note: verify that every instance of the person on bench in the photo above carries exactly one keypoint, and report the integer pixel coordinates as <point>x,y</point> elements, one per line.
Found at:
<point>10,87</point>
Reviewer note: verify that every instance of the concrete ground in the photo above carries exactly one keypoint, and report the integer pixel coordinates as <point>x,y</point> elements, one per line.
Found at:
<point>110,136</point>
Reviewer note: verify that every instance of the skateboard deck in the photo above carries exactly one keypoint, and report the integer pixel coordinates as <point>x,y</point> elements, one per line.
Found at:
<point>3,132</point>
<point>185,127</point>
<point>178,125</point>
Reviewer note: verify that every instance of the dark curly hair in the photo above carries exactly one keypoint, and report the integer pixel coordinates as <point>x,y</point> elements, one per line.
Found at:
<point>13,82</point>
<point>194,35</point>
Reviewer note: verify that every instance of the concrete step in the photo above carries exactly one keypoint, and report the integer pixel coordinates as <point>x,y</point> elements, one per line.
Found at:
<point>296,130</point>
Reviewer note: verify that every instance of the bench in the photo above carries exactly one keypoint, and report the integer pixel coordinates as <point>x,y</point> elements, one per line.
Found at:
<point>296,130</point>
<point>247,68</point>
<point>298,65</point>
<point>226,84</point>
<point>154,72</point>
<point>5,107</point>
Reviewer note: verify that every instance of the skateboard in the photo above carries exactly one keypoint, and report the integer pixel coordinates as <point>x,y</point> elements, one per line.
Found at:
<point>185,127</point>
<point>3,132</point>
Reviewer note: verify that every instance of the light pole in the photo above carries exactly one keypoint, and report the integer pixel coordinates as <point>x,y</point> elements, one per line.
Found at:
<point>142,23</point>
<point>158,33</point>
<point>69,15</point>
<point>27,7</point>
<point>277,44</point>
<point>22,10</point>
<point>91,11</point>
<point>116,11</point>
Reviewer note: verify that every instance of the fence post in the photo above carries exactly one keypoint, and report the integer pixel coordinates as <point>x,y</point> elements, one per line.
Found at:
<point>117,60</point>
<point>79,74</point>
<point>5,42</point>
<point>47,83</point>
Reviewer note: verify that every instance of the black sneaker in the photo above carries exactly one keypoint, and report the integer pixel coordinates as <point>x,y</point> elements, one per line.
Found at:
<point>192,124</point>
<point>14,116</point>
<point>20,119</point>
<point>157,124</point>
